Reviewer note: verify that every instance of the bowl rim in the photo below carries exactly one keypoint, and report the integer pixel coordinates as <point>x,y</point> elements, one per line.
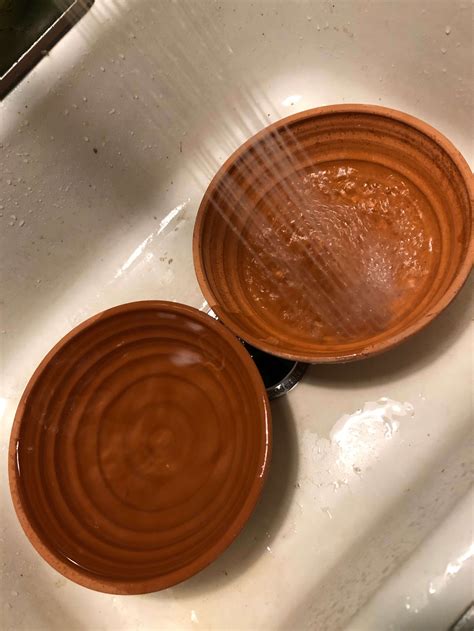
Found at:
<point>82,577</point>
<point>376,347</point>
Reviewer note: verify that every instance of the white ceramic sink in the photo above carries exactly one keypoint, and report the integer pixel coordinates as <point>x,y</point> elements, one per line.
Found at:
<point>106,150</point>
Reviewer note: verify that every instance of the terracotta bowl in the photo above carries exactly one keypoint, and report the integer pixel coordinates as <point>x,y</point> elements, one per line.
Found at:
<point>336,233</point>
<point>139,448</point>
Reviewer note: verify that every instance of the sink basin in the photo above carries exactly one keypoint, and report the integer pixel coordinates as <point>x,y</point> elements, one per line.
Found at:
<point>107,148</point>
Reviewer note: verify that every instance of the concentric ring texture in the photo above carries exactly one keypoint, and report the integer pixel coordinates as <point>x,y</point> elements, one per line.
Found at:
<point>335,233</point>
<point>140,445</point>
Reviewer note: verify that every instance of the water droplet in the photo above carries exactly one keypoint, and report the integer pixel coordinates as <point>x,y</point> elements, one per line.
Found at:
<point>447,30</point>
<point>102,69</point>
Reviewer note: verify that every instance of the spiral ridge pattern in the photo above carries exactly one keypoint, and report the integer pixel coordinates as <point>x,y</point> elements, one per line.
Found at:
<point>335,233</point>
<point>140,447</point>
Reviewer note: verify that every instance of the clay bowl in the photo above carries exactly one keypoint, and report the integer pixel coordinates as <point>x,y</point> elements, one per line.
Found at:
<point>139,448</point>
<point>336,233</point>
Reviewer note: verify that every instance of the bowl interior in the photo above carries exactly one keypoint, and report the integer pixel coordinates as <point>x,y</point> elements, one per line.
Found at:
<point>140,447</point>
<point>335,233</point>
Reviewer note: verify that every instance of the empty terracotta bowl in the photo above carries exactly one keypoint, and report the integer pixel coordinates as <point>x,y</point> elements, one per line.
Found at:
<point>336,233</point>
<point>139,448</point>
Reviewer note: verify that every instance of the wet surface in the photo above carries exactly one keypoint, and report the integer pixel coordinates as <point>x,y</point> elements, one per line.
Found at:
<point>341,251</point>
<point>165,94</point>
<point>142,448</point>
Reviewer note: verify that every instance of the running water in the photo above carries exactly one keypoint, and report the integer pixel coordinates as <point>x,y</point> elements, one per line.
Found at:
<point>353,234</point>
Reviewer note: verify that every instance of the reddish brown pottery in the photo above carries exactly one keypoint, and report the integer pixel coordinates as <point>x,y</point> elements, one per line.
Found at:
<point>139,448</point>
<point>336,233</point>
